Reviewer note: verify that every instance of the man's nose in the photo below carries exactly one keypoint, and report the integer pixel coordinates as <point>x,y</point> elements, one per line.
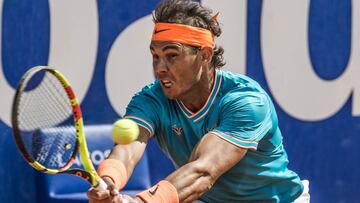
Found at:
<point>160,66</point>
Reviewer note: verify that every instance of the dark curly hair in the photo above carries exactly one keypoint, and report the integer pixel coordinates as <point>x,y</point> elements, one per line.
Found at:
<point>191,13</point>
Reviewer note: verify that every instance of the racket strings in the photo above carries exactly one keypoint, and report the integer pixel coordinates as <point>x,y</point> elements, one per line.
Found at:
<point>53,147</point>
<point>48,97</point>
<point>46,122</point>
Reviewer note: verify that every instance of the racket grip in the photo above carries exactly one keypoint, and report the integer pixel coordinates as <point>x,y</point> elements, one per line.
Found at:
<point>101,185</point>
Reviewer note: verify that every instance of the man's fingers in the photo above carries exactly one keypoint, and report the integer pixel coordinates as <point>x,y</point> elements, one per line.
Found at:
<point>119,199</point>
<point>114,192</point>
<point>93,193</point>
<point>128,199</point>
<point>116,199</point>
<point>111,186</point>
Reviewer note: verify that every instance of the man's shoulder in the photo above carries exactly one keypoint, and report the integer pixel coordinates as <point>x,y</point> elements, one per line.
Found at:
<point>241,89</point>
<point>237,79</point>
<point>234,83</point>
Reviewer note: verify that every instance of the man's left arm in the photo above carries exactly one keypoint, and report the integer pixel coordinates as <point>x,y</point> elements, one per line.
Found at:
<point>211,158</point>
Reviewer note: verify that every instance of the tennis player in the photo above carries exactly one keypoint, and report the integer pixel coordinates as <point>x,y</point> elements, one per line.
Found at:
<point>219,128</point>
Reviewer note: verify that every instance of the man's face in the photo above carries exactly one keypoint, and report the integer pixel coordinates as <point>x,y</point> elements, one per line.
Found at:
<point>177,67</point>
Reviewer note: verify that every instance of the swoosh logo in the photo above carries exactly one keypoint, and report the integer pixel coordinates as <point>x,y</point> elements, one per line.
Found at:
<point>154,191</point>
<point>158,31</point>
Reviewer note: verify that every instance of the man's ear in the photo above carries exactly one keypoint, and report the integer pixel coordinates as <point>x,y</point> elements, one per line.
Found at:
<point>206,54</point>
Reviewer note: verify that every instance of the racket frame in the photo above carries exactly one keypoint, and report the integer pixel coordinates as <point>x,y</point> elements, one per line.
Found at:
<point>89,173</point>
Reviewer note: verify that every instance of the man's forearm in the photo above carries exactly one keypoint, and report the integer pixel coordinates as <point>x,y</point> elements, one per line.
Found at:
<point>129,155</point>
<point>191,181</point>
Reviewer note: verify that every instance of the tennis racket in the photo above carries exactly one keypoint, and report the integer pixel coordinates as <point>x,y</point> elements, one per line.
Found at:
<point>48,125</point>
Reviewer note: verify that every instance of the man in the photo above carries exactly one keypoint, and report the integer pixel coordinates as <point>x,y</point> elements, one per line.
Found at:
<point>219,128</point>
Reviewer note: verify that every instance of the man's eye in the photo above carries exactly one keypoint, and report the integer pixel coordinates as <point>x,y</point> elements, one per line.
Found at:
<point>155,56</point>
<point>172,56</point>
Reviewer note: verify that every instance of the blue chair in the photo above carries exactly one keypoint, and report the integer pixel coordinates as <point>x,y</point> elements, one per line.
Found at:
<point>64,188</point>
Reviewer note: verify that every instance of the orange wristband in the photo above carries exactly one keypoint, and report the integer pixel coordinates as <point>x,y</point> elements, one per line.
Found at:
<point>115,170</point>
<point>163,192</point>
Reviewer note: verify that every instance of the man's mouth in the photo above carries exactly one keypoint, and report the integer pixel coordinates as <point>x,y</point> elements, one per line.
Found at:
<point>166,83</point>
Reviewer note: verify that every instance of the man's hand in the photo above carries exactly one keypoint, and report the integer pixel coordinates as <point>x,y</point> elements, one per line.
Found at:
<point>128,199</point>
<point>104,196</point>
<point>107,198</point>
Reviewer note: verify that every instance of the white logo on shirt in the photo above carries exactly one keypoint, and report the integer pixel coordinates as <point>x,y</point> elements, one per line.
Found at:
<point>177,130</point>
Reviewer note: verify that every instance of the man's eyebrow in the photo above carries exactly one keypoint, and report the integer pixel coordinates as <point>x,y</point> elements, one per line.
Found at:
<point>171,47</point>
<point>176,47</point>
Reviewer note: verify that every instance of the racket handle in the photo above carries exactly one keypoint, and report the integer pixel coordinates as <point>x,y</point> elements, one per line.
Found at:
<point>101,185</point>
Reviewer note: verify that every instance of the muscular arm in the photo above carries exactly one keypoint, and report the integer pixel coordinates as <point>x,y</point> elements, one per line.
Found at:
<point>207,163</point>
<point>130,154</point>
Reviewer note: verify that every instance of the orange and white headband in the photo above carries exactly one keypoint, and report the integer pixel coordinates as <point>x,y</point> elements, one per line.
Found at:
<point>184,34</point>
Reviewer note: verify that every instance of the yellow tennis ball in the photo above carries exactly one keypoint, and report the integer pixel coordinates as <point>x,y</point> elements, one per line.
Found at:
<point>125,131</point>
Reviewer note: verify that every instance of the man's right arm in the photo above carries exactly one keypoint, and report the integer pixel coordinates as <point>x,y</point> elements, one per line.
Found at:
<point>128,156</point>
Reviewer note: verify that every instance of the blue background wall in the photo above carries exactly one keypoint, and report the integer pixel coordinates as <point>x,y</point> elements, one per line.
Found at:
<point>323,151</point>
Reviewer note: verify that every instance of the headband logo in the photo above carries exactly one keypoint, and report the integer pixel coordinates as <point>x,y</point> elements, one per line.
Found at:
<point>158,31</point>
